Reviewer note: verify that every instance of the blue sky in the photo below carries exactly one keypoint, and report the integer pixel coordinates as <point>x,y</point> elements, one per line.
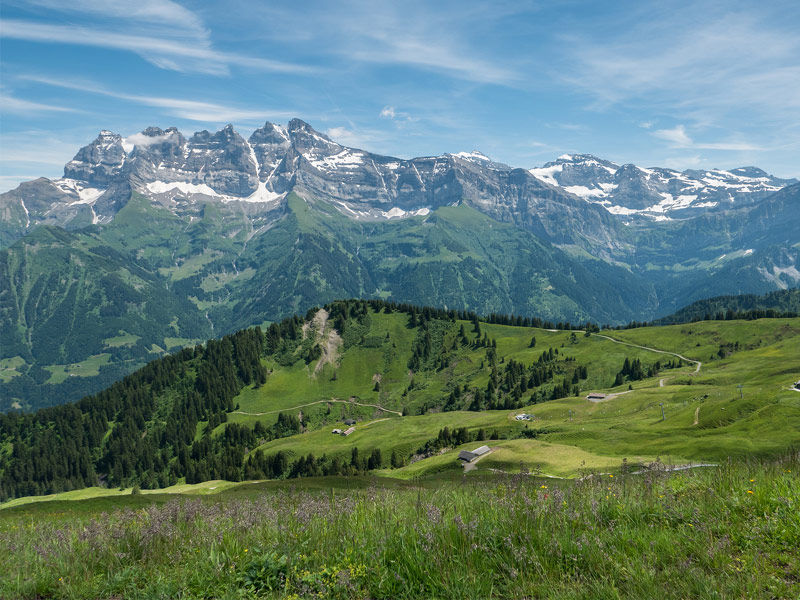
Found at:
<point>700,85</point>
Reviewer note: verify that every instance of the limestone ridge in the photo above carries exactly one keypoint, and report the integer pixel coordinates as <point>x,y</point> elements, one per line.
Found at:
<point>577,200</point>
<point>183,174</point>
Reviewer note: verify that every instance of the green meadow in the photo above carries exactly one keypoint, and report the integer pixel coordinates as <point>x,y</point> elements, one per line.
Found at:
<point>726,532</point>
<point>760,419</point>
<point>682,483</point>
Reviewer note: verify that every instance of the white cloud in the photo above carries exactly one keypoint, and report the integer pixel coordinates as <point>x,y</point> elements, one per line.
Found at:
<point>345,136</point>
<point>676,135</point>
<point>14,105</point>
<point>176,53</point>
<point>140,139</point>
<point>388,112</point>
<point>192,110</point>
<point>678,138</point>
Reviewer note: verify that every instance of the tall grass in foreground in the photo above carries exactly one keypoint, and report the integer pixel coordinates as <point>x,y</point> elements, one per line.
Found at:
<point>728,532</point>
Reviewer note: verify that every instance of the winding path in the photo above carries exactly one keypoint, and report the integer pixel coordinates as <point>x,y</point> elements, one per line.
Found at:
<point>271,412</point>
<point>661,383</point>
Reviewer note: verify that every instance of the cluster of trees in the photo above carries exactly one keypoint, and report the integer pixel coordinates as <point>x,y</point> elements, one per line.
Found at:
<point>450,438</point>
<point>633,370</point>
<point>277,466</point>
<point>135,431</point>
<point>418,315</point>
<point>509,382</point>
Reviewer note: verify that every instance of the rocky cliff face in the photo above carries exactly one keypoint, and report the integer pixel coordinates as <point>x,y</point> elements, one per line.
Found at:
<point>99,163</point>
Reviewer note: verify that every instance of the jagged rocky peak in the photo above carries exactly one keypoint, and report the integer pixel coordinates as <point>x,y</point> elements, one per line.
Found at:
<point>270,145</point>
<point>270,134</point>
<point>223,150</point>
<point>98,162</point>
<point>304,137</point>
<point>157,145</point>
<point>222,161</point>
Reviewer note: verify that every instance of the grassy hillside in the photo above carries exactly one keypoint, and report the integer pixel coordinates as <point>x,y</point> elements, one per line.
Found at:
<point>421,385</point>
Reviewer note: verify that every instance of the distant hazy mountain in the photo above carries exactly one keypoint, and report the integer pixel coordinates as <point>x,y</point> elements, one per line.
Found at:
<point>159,239</point>
<point>657,193</point>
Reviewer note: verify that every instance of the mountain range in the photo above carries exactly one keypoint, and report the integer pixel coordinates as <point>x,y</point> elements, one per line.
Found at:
<point>158,240</point>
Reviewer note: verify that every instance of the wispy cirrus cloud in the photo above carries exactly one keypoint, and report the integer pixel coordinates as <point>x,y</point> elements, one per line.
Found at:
<point>438,38</point>
<point>17,106</point>
<point>162,32</point>
<point>679,138</point>
<point>723,62</point>
<point>192,110</point>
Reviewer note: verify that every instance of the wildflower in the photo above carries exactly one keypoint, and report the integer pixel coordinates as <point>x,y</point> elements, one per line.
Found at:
<point>544,487</point>
<point>610,475</point>
<point>752,480</point>
<point>749,491</point>
<point>245,549</point>
<point>690,525</point>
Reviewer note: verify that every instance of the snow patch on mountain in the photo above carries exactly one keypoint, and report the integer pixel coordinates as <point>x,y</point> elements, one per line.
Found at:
<point>262,194</point>
<point>162,187</point>
<point>345,158</point>
<point>585,192</point>
<point>86,195</point>
<point>27,214</point>
<point>547,174</point>
<point>399,213</point>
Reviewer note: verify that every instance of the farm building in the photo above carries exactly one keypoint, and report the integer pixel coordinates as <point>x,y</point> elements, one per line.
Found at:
<point>468,456</point>
<point>349,421</point>
<point>337,431</point>
<point>348,431</point>
<point>524,417</point>
<point>595,397</point>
